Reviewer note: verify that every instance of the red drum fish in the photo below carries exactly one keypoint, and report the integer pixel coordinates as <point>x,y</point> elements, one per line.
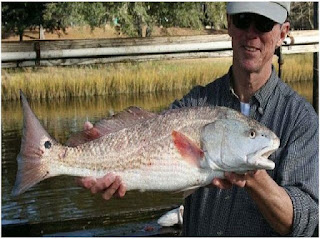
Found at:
<point>175,150</point>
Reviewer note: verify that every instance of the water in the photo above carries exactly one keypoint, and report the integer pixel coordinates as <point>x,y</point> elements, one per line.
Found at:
<point>56,206</point>
<point>58,199</point>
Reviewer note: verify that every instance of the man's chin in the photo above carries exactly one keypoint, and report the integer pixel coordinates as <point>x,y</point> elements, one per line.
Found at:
<point>251,66</point>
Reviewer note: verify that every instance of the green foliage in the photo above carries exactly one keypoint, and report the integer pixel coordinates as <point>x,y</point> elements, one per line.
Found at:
<point>130,18</point>
<point>162,13</point>
<point>215,14</point>
<point>17,16</point>
<point>59,16</point>
<point>188,14</point>
<point>64,14</point>
<point>93,14</point>
<point>134,17</point>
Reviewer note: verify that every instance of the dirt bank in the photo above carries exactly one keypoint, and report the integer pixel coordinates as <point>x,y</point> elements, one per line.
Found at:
<point>104,32</point>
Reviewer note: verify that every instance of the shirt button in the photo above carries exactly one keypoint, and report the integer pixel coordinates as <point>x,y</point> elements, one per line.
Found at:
<point>227,197</point>
<point>219,233</point>
<point>260,110</point>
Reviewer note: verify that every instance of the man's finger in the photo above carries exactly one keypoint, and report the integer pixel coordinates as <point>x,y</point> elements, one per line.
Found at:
<point>86,182</point>
<point>103,183</point>
<point>221,183</point>
<point>236,179</point>
<point>252,173</point>
<point>122,191</point>
<point>87,125</point>
<point>112,189</point>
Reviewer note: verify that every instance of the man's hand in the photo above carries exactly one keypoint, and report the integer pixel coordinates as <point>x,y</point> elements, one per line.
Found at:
<point>230,179</point>
<point>109,185</point>
<point>272,200</point>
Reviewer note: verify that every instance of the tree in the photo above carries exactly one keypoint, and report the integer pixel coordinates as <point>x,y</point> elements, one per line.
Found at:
<point>130,18</point>
<point>178,14</point>
<point>59,16</point>
<point>18,16</point>
<point>134,18</point>
<point>93,13</point>
<point>188,14</point>
<point>302,15</point>
<point>215,14</point>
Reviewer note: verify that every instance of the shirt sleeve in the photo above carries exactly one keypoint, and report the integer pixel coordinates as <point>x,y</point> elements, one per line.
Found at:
<point>300,173</point>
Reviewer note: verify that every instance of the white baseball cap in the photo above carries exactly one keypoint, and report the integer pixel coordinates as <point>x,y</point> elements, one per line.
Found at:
<point>276,11</point>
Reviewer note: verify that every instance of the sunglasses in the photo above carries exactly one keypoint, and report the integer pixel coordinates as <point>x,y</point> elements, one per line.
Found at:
<point>244,20</point>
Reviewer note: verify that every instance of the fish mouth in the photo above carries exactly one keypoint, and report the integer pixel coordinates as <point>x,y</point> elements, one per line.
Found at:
<point>261,158</point>
<point>267,151</point>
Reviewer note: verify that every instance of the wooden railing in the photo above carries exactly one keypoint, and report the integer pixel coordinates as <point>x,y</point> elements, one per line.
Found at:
<point>79,52</point>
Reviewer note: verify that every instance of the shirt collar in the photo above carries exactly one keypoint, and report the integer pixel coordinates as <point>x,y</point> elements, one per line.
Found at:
<point>263,94</point>
<point>229,88</point>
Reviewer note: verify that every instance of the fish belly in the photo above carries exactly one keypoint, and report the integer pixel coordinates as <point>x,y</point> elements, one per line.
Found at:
<point>168,173</point>
<point>164,176</point>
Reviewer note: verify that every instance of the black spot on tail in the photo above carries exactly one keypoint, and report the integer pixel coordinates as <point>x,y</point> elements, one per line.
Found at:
<point>47,144</point>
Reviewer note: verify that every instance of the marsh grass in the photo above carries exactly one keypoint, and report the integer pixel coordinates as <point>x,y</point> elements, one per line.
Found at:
<point>130,78</point>
<point>298,67</point>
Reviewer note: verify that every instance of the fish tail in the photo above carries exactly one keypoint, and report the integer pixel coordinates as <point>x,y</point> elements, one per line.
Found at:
<point>31,168</point>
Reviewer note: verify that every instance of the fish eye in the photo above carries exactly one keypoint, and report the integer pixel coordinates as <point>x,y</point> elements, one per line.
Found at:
<point>252,134</point>
<point>47,144</point>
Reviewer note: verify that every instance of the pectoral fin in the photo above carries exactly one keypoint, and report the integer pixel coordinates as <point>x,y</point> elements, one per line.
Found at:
<point>187,148</point>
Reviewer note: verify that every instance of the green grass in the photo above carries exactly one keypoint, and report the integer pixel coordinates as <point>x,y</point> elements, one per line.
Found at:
<point>130,78</point>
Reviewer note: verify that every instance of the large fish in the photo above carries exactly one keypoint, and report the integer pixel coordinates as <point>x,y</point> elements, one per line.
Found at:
<point>176,150</point>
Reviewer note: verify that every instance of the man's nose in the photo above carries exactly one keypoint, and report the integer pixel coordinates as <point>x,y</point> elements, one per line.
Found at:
<point>252,31</point>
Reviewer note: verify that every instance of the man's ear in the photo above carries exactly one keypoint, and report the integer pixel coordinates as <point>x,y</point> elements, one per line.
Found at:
<point>283,32</point>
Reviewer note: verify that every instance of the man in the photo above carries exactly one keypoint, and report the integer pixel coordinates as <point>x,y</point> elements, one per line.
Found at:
<point>283,201</point>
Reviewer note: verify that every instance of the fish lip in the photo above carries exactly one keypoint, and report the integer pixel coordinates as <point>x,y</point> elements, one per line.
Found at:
<point>264,153</point>
<point>268,150</point>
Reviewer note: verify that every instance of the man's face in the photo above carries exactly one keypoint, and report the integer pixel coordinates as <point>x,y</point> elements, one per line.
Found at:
<point>252,49</point>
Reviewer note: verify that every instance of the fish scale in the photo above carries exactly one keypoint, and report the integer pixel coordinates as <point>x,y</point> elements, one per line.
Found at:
<point>176,150</point>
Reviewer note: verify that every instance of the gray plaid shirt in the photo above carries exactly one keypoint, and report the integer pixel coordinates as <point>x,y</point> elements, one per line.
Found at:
<point>216,212</point>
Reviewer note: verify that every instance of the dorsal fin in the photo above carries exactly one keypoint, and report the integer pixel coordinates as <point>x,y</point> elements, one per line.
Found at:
<point>187,148</point>
<point>126,118</point>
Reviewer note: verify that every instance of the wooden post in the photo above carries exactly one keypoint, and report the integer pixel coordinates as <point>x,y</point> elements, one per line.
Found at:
<point>316,62</point>
<point>41,32</point>
<point>37,50</point>
<point>280,60</point>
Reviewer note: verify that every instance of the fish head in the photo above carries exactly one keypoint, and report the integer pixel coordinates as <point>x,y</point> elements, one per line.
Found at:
<point>238,145</point>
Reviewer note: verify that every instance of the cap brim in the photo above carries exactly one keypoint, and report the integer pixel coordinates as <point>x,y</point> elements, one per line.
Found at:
<point>270,10</point>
